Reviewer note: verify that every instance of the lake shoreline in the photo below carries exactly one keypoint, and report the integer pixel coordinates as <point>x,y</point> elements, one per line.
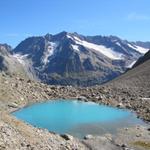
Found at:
<point>22,92</point>
<point>103,117</point>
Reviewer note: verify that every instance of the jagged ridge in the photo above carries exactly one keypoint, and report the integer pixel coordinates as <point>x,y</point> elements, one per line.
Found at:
<point>73,59</point>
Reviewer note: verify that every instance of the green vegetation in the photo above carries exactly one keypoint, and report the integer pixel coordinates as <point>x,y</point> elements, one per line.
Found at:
<point>144,144</point>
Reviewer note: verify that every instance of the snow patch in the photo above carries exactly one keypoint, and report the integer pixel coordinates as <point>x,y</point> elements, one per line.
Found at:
<point>142,50</point>
<point>118,44</point>
<point>138,48</point>
<point>21,58</point>
<point>100,48</point>
<point>49,52</point>
<point>70,37</point>
<point>75,47</point>
<point>131,65</point>
<point>108,52</point>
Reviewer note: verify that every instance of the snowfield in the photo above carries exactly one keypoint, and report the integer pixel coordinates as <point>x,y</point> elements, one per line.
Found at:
<point>108,52</point>
<point>138,48</point>
<point>50,50</point>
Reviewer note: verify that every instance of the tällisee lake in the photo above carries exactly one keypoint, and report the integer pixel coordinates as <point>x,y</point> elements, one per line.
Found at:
<point>76,117</point>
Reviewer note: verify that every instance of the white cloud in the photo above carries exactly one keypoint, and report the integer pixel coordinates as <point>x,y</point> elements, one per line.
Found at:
<point>14,35</point>
<point>138,17</point>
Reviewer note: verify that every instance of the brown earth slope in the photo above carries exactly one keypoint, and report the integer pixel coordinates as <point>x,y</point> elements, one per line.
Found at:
<point>133,87</point>
<point>136,80</point>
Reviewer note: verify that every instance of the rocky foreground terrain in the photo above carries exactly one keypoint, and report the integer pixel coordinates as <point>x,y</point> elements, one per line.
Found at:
<point>16,92</point>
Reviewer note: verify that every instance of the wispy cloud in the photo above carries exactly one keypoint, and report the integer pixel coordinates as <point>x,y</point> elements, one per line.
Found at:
<point>27,35</point>
<point>16,35</point>
<point>138,17</point>
<point>12,35</point>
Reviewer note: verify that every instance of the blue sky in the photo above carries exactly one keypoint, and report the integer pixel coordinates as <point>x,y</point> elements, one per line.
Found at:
<point>128,19</point>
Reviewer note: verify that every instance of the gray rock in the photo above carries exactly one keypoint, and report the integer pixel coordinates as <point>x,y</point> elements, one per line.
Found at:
<point>88,137</point>
<point>13,105</point>
<point>67,136</point>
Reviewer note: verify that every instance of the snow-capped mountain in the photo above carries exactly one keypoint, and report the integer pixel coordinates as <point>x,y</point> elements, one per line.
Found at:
<point>73,59</point>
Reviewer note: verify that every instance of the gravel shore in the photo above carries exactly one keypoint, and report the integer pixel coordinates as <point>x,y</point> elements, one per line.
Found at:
<point>16,92</point>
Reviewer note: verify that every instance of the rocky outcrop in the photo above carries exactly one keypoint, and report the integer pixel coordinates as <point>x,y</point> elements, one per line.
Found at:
<point>8,63</point>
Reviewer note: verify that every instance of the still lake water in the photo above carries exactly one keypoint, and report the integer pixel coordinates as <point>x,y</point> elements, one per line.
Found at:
<point>77,118</point>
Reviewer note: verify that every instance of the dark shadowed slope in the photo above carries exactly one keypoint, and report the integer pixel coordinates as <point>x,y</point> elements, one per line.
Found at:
<point>142,59</point>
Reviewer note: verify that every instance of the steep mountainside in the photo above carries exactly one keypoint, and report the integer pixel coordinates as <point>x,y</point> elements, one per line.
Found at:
<point>142,59</point>
<point>143,44</point>
<point>73,59</point>
<point>135,81</point>
<point>8,63</point>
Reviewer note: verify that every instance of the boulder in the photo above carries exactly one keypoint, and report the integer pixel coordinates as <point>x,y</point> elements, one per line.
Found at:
<point>67,137</point>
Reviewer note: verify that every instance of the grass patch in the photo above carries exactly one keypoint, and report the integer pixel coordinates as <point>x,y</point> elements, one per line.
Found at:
<point>144,144</point>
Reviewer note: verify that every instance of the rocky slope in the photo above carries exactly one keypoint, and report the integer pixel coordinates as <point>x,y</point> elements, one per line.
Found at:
<point>134,83</point>
<point>16,92</point>
<point>8,63</point>
<point>73,59</point>
<point>142,59</point>
<point>137,79</point>
<point>143,44</point>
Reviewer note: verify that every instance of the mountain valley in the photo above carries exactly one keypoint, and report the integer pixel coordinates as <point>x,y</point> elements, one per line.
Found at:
<point>41,69</point>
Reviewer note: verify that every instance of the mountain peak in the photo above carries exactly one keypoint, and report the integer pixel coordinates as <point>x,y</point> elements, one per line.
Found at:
<point>5,47</point>
<point>66,34</point>
<point>114,38</point>
<point>63,33</point>
<point>48,36</point>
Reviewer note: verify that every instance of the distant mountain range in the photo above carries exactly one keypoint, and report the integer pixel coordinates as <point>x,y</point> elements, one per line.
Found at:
<point>73,59</point>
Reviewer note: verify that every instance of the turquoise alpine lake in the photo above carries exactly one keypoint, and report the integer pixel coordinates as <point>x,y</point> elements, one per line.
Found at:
<point>76,117</point>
